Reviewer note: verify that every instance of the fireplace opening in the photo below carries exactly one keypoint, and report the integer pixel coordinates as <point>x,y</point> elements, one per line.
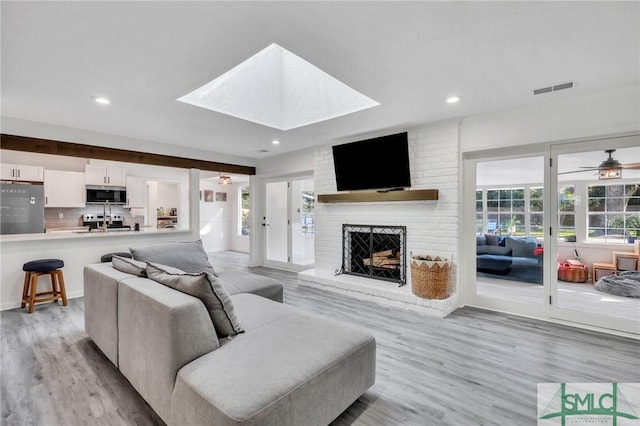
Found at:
<point>375,252</point>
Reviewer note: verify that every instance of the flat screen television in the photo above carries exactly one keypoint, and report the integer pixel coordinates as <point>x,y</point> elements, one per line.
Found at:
<point>378,163</point>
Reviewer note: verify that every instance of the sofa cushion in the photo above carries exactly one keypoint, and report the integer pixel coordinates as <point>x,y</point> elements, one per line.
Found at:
<point>497,250</point>
<point>481,240</point>
<point>206,287</point>
<point>129,266</point>
<point>521,247</point>
<point>189,256</point>
<point>237,281</point>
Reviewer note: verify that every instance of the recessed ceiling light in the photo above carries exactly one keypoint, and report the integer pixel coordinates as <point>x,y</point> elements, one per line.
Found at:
<point>102,100</point>
<point>275,142</point>
<point>452,99</point>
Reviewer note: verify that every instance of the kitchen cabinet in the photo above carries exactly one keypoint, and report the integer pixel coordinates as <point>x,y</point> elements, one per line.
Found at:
<point>104,175</point>
<point>135,192</point>
<point>64,189</point>
<point>22,172</point>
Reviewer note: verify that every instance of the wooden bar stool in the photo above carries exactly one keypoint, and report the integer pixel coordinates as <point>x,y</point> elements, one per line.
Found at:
<point>33,270</point>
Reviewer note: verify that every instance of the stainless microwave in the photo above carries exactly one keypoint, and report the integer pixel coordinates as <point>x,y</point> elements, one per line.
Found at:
<point>106,194</point>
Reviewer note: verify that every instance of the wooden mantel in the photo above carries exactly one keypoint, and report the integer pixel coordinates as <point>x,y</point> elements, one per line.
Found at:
<point>373,196</point>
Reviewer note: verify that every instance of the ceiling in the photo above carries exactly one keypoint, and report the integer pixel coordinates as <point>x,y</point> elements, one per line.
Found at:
<point>409,56</point>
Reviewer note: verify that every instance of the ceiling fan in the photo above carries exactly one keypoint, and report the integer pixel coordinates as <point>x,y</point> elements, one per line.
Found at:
<point>609,168</point>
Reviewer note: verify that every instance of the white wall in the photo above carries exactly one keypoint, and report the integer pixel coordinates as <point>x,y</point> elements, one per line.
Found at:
<point>219,219</point>
<point>566,118</point>
<point>432,226</point>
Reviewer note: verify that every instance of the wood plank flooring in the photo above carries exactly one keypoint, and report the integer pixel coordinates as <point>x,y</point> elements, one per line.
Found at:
<point>472,368</point>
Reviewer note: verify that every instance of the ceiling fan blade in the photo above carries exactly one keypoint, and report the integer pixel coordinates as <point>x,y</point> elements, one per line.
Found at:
<point>631,166</point>
<point>579,171</point>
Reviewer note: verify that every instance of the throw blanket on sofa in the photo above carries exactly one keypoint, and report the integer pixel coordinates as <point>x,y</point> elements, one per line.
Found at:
<point>625,284</point>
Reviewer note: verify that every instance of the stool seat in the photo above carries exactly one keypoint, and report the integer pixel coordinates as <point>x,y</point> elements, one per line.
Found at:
<point>107,257</point>
<point>43,265</point>
<point>33,270</point>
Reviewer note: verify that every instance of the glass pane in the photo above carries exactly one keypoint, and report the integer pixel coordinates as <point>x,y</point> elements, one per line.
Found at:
<point>615,204</point>
<point>505,194</point>
<point>505,206</point>
<point>276,244</point>
<point>567,205</point>
<point>632,190</point>
<point>518,194</point>
<point>478,206</point>
<point>245,218</point>
<point>597,220</point>
<point>596,191</point>
<point>615,190</point>
<point>633,204</point>
<point>478,223</point>
<point>536,193</point>
<point>536,205</point>
<point>479,195</point>
<point>518,205</point>
<point>492,206</point>
<point>596,204</point>
<point>302,224</point>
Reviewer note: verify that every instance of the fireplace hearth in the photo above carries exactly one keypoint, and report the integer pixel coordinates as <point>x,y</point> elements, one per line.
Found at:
<point>374,251</point>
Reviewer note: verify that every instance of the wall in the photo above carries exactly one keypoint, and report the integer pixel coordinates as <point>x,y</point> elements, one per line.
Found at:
<point>432,226</point>
<point>559,119</point>
<point>219,219</point>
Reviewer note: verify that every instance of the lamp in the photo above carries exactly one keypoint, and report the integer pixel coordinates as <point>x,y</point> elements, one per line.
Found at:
<point>610,168</point>
<point>224,180</point>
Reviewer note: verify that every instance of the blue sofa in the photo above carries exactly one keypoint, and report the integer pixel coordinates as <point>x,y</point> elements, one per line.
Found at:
<point>496,254</point>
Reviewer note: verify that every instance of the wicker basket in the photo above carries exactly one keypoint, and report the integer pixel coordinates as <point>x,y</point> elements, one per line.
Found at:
<point>573,272</point>
<point>431,277</point>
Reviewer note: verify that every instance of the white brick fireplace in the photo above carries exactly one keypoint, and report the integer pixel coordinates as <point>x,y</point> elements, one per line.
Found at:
<point>432,226</point>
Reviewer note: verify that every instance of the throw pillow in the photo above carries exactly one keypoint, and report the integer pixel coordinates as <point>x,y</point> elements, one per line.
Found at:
<point>521,247</point>
<point>188,256</point>
<point>206,287</point>
<point>492,240</point>
<point>129,266</point>
<point>481,240</point>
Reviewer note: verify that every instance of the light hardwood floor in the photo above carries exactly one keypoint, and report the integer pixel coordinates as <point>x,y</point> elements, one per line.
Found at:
<point>472,368</point>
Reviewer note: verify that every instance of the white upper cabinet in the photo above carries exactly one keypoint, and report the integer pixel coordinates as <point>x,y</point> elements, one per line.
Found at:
<point>64,189</point>
<point>104,175</point>
<point>135,192</point>
<point>22,172</point>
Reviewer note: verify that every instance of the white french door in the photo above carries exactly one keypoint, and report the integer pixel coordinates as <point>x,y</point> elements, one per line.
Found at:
<point>588,215</point>
<point>288,224</point>
<point>557,198</point>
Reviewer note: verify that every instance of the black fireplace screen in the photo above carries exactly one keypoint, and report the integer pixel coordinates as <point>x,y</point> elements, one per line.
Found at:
<point>375,252</point>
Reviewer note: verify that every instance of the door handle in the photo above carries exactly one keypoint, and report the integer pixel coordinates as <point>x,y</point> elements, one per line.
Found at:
<point>266,224</point>
<point>18,172</point>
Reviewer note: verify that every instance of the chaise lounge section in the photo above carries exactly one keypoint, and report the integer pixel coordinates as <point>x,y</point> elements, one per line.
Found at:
<point>288,367</point>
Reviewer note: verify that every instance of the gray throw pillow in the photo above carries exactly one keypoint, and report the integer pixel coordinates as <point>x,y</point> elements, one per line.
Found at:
<point>129,266</point>
<point>206,287</point>
<point>521,247</point>
<point>188,256</point>
<point>492,240</point>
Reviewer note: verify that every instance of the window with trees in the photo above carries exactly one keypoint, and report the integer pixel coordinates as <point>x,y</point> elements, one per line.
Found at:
<point>613,212</point>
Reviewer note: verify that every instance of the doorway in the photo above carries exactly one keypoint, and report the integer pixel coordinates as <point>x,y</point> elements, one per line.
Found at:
<point>288,224</point>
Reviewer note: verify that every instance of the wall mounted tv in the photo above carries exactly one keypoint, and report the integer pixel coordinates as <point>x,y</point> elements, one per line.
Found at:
<point>378,163</point>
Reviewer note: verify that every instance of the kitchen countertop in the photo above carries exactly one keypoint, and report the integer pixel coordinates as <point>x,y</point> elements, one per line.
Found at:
<point>85,234</point>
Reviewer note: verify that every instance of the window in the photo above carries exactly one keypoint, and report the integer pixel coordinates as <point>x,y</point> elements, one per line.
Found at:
<point>480,215</point>
<point>566,211</point>
<point>613,212</point>
<point>307,213</point>
<point>244,210</point>
<point>536,211</point>
<point>505,211</point>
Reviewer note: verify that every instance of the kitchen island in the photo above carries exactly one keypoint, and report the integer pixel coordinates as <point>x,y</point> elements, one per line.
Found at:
<point>76,248</point>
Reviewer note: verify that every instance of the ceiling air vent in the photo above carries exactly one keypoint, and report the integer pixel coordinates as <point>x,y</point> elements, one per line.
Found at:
<point>553,88</point>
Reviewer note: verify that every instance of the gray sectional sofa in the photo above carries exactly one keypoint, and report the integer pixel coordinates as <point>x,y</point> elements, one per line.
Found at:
<point>287,367</point>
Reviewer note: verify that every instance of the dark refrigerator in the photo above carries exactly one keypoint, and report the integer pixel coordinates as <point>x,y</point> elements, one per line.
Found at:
<point>21,208</point>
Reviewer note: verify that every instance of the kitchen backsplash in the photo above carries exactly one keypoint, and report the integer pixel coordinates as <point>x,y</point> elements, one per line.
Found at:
<point>73,216</point>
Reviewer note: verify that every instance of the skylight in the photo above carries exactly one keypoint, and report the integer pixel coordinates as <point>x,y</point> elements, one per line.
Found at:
<point>277,88</point>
